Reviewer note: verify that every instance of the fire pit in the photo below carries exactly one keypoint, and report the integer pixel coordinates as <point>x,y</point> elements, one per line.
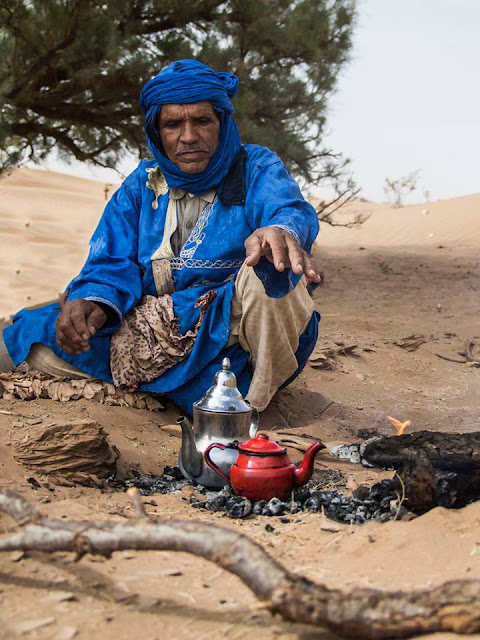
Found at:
<point>380,502</point>
<point>432,469</point>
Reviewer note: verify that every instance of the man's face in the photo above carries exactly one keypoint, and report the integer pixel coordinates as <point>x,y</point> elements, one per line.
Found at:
<point>189,134</point>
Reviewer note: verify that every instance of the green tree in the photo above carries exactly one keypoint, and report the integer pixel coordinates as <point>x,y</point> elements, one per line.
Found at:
<point>72,71</point>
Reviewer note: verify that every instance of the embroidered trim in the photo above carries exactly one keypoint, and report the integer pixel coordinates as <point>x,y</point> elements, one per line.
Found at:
<point>288,230</point>
<point>197,236</point>
<point>191,263</point>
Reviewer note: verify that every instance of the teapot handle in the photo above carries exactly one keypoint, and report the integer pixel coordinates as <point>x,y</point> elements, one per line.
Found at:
<point>211,464</point>
<point>252,432</point>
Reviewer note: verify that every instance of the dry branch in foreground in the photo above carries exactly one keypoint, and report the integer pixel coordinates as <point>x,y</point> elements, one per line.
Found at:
<point>362,613</point>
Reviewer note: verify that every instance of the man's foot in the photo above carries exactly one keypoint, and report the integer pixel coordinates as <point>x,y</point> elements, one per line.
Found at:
<point>271,417</point>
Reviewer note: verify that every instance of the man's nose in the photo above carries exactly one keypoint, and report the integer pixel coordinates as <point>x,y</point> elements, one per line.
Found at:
<point>189,133</point>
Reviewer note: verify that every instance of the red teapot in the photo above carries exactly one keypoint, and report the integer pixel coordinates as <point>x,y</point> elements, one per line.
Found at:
<point>263,470</point>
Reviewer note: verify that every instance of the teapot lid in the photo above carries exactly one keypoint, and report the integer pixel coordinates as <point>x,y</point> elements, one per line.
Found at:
<point>223,395</point>
<point>261,445</point>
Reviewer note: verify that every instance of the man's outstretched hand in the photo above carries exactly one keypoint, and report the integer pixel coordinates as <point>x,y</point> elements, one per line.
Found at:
<point>78,321</point>
<point>283,250</point>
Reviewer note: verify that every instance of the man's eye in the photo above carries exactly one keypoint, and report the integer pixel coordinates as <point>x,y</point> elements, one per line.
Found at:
<point>171,124</point>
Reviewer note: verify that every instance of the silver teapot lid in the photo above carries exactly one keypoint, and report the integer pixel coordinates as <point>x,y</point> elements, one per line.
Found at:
<point>223,396</point>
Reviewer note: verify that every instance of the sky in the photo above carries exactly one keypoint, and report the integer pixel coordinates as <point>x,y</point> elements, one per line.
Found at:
<point>408,100</point>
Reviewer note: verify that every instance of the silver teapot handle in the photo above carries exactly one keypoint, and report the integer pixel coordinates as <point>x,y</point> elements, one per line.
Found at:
<point>252,432</point>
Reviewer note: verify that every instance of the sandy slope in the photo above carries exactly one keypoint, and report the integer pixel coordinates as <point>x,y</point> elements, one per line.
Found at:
<point>406,271</point>
<point>46,220</point>
<point>452,223</point>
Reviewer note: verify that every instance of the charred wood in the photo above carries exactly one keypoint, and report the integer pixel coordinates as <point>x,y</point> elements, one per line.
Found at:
<point>435,469</point>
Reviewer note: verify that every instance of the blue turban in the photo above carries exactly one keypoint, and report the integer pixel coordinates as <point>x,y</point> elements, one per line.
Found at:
<point>185,82</point>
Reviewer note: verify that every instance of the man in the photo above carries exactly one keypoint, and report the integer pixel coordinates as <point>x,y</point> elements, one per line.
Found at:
<point>201,254</point>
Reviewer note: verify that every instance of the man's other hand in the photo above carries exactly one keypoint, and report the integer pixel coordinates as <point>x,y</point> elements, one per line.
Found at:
<point>78,321</point>
<point>283,250</point>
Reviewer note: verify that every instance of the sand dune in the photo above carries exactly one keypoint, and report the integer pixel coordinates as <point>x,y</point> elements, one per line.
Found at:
<point>451,223</point>
<point>46,220</point>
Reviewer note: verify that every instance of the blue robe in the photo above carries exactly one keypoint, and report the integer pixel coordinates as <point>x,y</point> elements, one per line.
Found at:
<point>118,271</point>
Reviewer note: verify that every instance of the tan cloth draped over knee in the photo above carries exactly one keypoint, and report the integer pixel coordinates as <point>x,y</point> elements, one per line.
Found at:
<point>269,329</point>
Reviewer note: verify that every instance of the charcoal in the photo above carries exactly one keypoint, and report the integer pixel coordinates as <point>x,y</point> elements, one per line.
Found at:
<point>216,503</point>
<point>361,492</point>
<point>275,507</point>
<point>227,491</point>
<point>199,488</point>
<point>265,510</point>
<point>293,507</point>
<point>259,506</point>
<point>179,485</point>
<point>238,507</point>
<point>313,504</point>
<point>402,513</point>
<point>175,472</point>
<point>379,502</point>
<point>301,494</point>
<point>323,497</point>
<point>385,503</point>
<point>170,481</point>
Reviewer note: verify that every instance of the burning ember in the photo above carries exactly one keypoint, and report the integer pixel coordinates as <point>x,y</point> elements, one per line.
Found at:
<point>399,426</point>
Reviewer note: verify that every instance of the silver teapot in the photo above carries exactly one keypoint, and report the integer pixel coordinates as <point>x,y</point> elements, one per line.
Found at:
<point>221,415</point>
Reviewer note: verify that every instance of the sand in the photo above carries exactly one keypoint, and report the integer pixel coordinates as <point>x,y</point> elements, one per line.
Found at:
<point>407,271</point>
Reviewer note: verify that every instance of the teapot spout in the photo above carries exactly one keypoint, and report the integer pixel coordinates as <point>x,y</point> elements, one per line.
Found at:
<point>303,472</point>
<point>190,459</point>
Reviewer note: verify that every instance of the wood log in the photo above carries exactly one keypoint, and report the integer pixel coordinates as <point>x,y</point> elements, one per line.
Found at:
<point>362,613</point>
<point>445,451</point>
<point>435,469</point>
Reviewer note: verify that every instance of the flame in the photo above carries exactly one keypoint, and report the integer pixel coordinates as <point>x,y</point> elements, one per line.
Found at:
<point>400,426</point>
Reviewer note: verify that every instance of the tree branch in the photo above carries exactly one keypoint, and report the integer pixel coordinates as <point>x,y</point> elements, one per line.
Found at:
<point>363,613</point>
<point>47,57</point>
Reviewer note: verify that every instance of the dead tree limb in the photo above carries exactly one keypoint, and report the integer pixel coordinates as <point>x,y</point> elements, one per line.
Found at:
<point>468,356</point>
<point>469,352</point>
<point>363,613</point>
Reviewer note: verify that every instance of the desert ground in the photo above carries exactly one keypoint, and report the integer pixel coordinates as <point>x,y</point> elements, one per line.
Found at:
<point>402,289</point>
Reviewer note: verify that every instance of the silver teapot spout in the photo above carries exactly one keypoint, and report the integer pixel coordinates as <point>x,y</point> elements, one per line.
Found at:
<point>190,460</point>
